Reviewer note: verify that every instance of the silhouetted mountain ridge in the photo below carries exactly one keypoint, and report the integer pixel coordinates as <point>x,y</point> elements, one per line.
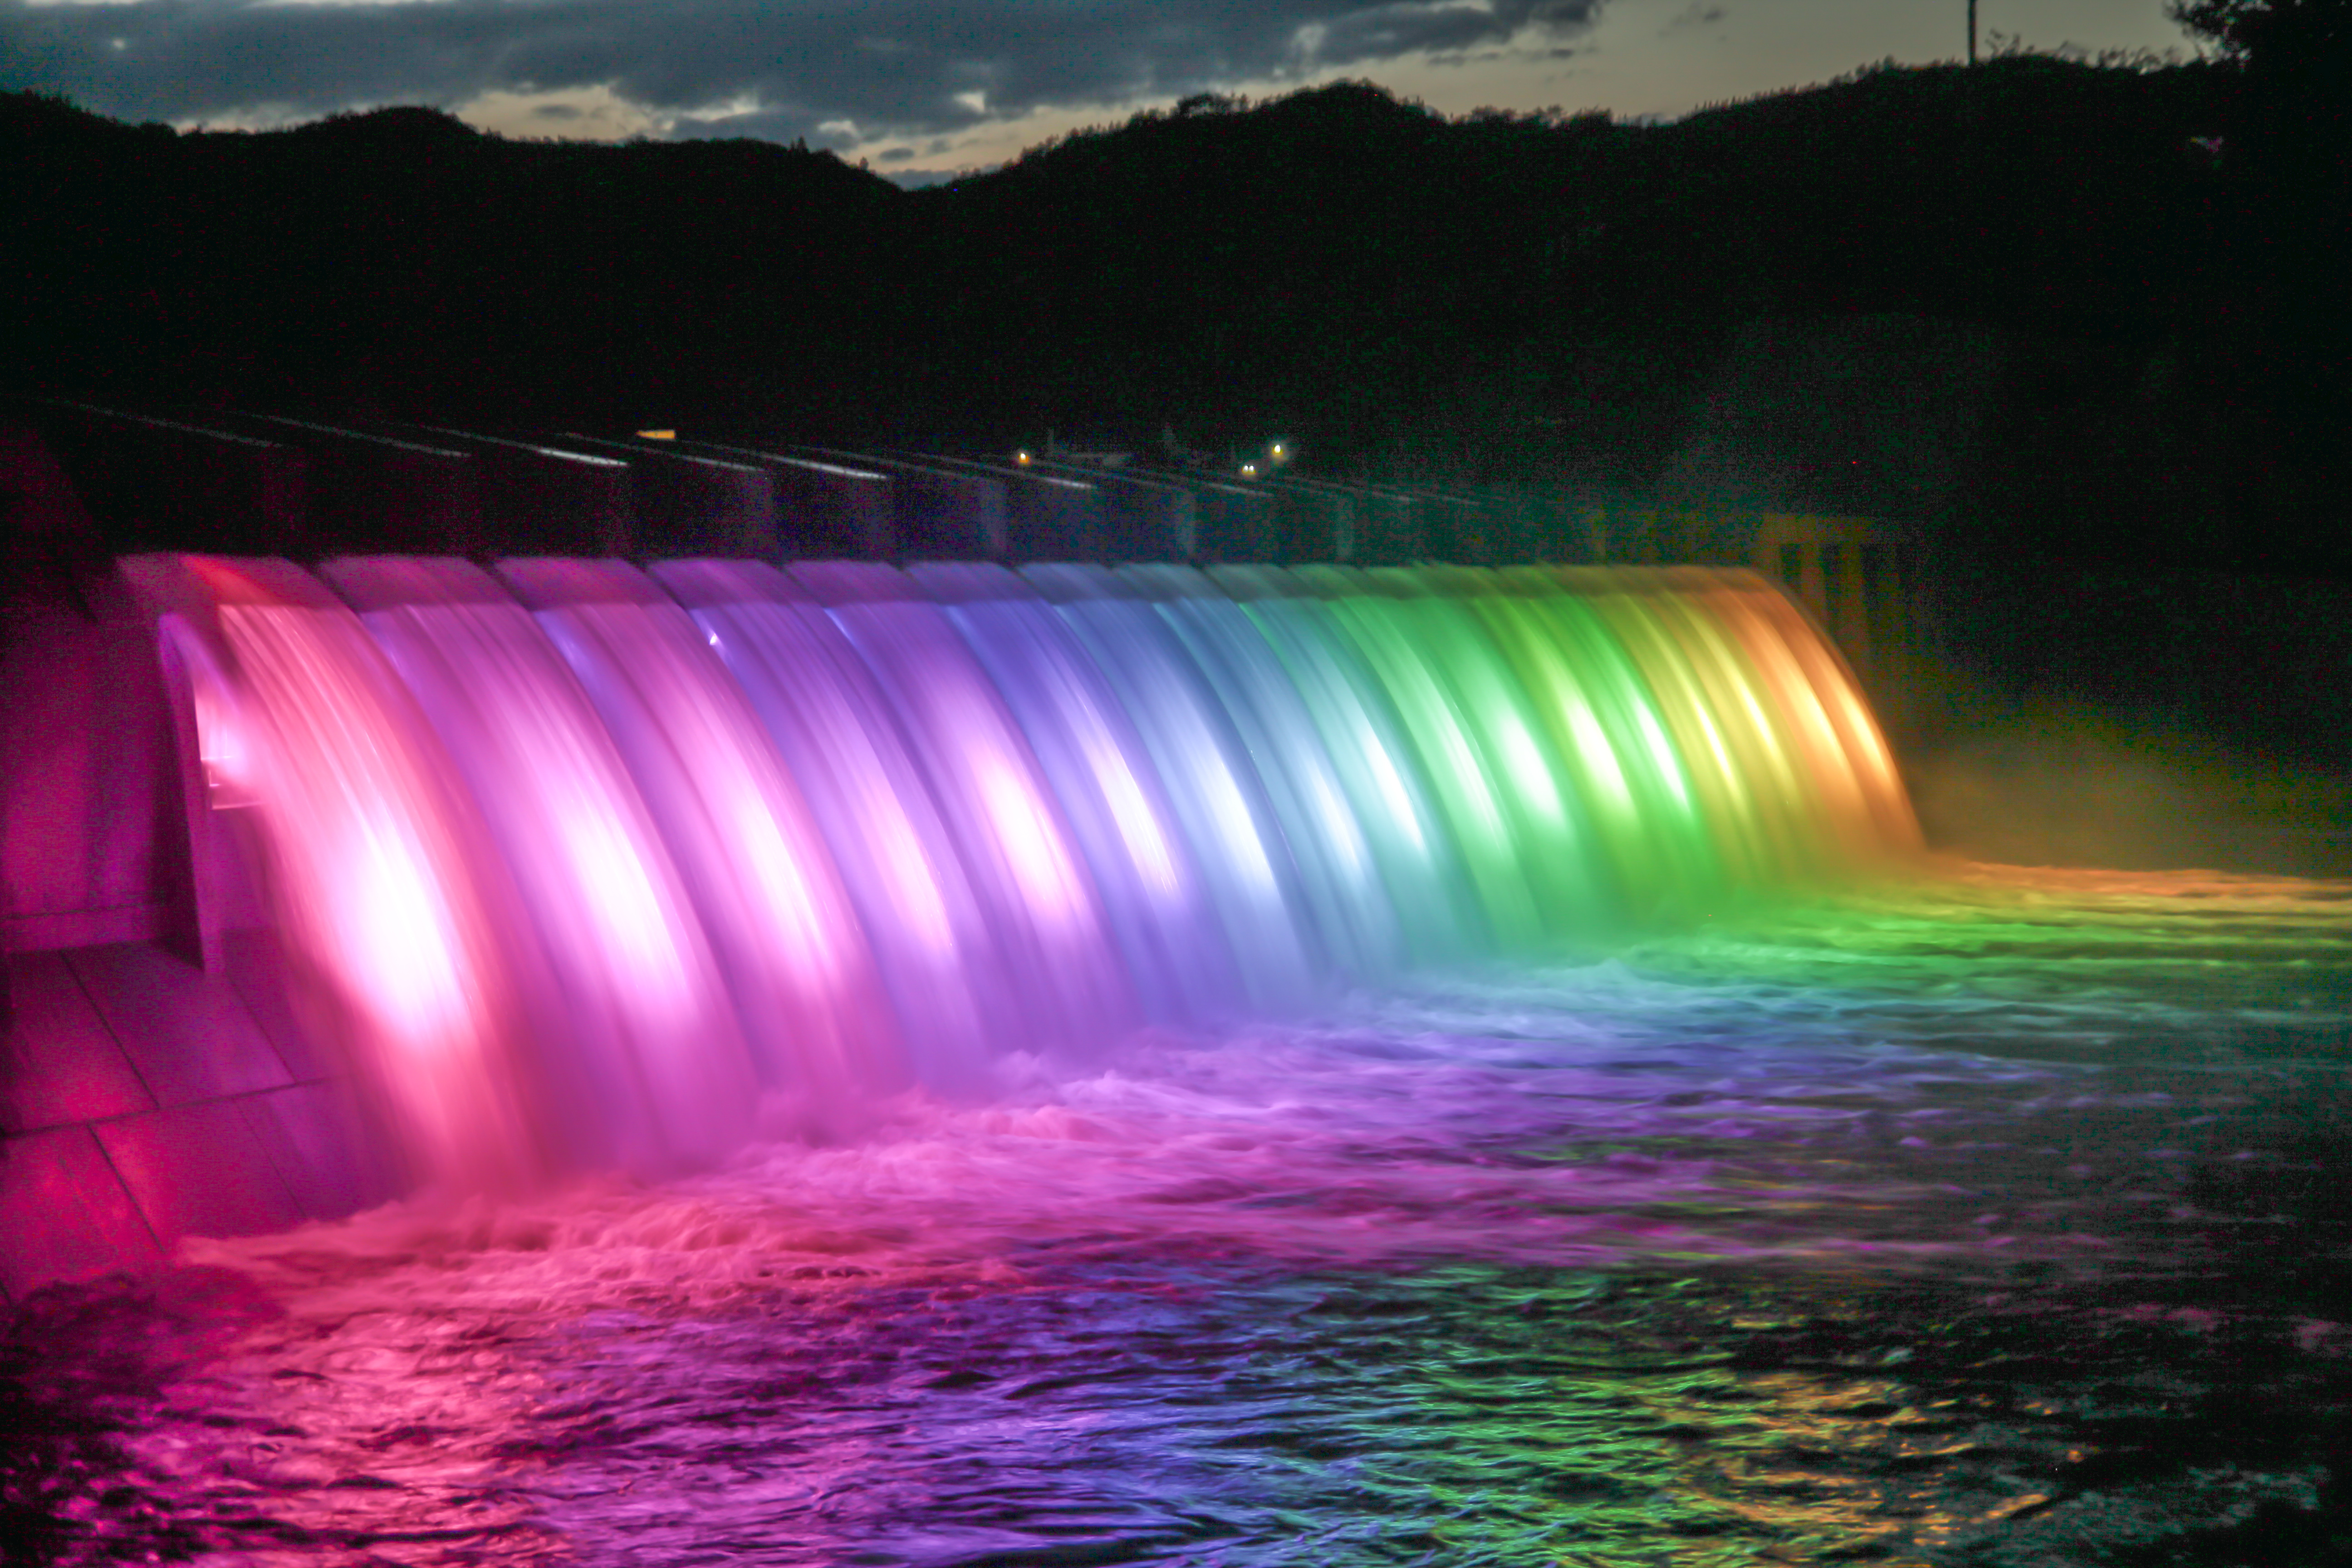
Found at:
<point>1495,295</point>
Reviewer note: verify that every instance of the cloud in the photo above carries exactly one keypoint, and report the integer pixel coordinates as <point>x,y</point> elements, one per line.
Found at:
<point>891,68</point>
<point>1693,18</point>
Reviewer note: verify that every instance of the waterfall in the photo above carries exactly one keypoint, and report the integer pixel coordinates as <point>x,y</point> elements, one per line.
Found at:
<point>595,866</point>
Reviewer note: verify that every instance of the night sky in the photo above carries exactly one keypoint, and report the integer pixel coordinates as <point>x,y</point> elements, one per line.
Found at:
<point>929,85</point>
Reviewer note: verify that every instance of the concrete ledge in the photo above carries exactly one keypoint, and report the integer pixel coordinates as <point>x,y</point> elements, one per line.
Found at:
<point>143,1100</point>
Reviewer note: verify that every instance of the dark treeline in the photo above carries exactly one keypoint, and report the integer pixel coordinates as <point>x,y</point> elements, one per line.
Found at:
<point>2039,305</point>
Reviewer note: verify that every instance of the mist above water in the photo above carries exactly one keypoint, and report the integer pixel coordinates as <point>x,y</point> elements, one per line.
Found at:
<point>2069,784</point>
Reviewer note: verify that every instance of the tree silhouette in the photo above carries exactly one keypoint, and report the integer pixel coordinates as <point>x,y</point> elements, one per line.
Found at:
<point>2265,31</point>
<point>2289,156</point>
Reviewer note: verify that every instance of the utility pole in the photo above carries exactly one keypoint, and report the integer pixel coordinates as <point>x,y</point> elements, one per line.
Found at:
<point>1972,32</point>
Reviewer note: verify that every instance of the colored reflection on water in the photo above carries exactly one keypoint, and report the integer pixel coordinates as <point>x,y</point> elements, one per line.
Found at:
<point>1993,1218</point>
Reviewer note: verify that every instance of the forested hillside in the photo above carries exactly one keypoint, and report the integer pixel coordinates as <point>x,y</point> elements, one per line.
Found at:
<point>2037,304</point>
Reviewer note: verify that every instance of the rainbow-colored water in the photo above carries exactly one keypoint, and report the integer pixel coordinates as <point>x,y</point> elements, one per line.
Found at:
<point>591,860</point>
<point>1312,1069</point>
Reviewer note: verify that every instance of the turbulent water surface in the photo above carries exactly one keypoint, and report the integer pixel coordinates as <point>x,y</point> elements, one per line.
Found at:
<point>1995,1219</point>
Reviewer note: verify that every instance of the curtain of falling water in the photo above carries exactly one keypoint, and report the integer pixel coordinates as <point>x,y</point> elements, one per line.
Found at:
<point>1593,684</point>
<point>930,817</point>
<point>1472,782</point>
<point>1043,906</point>
<point>1348,902</point>
<point>1210,780</point>
<point>656,1069</point>
<point>1735,818</point>
<point>386,888</point>
<point>1816,675</point>
<point>1153,894</point>
<point>1629,790</point>
<point>1393,805</point>
<point>828,719</point>
<point>804,984</point>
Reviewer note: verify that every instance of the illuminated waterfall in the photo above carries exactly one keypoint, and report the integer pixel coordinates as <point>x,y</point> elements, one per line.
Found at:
<point>587,862</point>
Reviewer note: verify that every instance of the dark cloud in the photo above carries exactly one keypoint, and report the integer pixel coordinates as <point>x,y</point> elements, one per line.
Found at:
<point>1692,17</point>
<point>892,67</point>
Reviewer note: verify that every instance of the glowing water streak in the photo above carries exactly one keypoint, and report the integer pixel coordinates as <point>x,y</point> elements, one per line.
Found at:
<point>787,936</point>
<point>1437,911</point>
<point>1787,808</point>
<point>1209,779</point>
<point>1028,875</point>
<point>1435,651</point>
<point>1827,775</point>
<point>1828,677</point>
<point>1154,897</point>
<point>1449,756</point>
<point>1635,799</point>
<point>830,723</point>
<point>1741,841</point>
<point>1336,872</point>
<point>387,887</point>
<point>653,1066</point>
<point>1628,712</point>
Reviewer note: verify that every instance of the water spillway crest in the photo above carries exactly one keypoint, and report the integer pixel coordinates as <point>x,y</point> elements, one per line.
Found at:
<point>591,866</point>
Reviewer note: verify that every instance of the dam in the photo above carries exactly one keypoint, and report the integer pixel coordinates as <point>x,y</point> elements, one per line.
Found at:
<point>961,1060</point>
